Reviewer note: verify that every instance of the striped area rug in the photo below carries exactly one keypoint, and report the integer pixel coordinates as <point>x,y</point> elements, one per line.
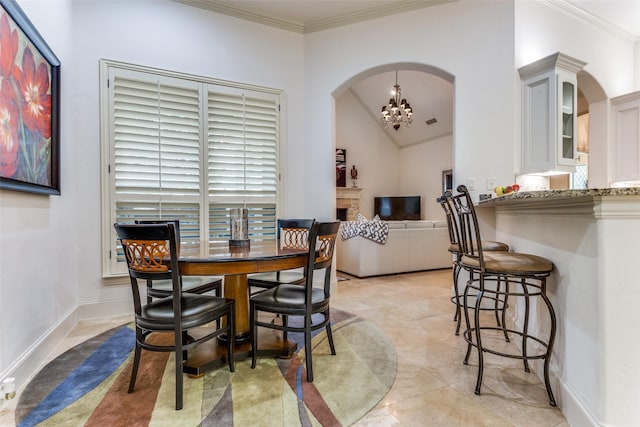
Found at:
<point>87,385</point>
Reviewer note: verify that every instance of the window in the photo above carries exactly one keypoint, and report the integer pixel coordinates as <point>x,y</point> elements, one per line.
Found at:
<point>188,148</point>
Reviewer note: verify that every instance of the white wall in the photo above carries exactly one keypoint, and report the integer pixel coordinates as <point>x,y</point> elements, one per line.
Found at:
<point>473,41</point>
<point>38,235</point>
<point>50,246</point>
<point>421,169</point>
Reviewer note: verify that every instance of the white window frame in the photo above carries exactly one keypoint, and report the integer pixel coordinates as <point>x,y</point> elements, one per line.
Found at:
<point>111,268</point>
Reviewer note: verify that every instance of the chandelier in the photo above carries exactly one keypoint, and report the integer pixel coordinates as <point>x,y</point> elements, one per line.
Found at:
<point>397,111</point>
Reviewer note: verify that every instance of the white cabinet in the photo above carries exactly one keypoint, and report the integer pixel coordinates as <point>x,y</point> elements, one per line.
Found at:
<point>549,114</point>
<point>626,139</point>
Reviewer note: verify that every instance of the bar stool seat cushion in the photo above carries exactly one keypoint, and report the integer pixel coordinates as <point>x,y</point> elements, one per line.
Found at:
<point>510,263</point>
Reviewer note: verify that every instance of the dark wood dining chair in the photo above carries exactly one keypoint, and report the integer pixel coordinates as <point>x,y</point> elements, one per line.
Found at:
<point>295,300</point>
<point>291,234</point>
<point>192,284</point>
<point>151,251</point>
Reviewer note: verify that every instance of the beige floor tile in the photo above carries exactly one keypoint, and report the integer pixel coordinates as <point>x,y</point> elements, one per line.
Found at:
<point>446,407</point>
<point>433,387</point>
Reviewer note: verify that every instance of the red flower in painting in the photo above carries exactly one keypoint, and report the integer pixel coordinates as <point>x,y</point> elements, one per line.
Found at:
<point>8,130</point>
<point>34,88</point>
<point>8,46</point>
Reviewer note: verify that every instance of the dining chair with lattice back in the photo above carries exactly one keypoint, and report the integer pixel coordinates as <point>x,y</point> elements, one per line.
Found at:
<point>291,234</point>
<point>193,284</point>
<point>307,302</point>
<point>151,251</point>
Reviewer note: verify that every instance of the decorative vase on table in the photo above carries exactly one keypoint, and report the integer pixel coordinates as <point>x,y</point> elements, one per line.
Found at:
<point>239,227</point>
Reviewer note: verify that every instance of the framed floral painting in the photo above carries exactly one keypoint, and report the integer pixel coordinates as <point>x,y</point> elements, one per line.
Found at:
<point>29,106</point>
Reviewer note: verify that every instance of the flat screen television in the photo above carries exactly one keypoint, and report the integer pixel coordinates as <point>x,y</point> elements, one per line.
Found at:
<point>397,208</point>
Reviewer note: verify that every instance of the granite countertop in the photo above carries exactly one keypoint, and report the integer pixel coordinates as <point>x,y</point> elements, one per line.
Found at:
<point>560,195</point>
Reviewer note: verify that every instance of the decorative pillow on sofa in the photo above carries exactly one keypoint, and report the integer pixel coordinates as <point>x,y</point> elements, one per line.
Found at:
<point>349,229</point>
<point>375,229</point>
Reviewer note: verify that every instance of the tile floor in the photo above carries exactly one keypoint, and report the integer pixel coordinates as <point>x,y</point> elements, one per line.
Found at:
<point>433,387</point>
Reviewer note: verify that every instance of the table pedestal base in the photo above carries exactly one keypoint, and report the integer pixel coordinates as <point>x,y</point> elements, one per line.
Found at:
<point>213,354</point>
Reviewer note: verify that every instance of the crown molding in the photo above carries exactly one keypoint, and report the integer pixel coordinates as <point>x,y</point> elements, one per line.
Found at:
<point>317,25</point>
<point>236,12</point>
<point>571,9</point>
<point>376,12</point>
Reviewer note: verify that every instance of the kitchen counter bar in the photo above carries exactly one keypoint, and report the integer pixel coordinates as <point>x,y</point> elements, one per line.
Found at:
<point>568,196</point>
<point>591,237</point>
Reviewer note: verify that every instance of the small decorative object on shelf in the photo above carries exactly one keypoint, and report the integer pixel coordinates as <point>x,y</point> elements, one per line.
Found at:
<point>354,177</point>
<point>239,227</point>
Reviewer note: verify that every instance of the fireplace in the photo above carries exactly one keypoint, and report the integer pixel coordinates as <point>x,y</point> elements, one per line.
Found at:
<point>347,203</point>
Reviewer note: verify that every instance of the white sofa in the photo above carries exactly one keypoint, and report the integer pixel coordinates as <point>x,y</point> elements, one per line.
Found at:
<point>411,246</point>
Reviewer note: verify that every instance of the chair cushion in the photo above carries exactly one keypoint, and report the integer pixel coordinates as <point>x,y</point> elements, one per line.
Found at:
<point>510,263</point>
<point>288,295</point>
<point>196,310</point>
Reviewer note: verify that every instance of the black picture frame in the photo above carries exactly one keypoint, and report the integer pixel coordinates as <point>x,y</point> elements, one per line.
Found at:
<point>341,167</point>
<point>34,166</point>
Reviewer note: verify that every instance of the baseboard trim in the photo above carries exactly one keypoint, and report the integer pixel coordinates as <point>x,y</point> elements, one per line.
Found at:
<point>96,310</point>
<point>33,358</point>
<point>573,408</point>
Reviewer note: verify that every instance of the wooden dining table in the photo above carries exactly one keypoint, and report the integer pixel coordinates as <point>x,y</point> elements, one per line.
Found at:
<point>235,263</point>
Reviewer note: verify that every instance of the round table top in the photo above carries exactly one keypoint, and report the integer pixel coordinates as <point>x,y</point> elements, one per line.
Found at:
<point>259,256</point>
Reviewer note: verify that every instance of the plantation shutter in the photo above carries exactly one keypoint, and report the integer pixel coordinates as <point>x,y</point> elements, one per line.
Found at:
<point>178,146</point>
<point>156,151</point>
<point>242,169</point>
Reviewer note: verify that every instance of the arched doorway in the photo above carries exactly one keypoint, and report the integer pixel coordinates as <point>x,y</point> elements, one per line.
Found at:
<point>407,161</point>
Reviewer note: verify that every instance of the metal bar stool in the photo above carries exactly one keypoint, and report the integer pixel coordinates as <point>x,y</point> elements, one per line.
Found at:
<point>523,275</point>
<point>454,248</point>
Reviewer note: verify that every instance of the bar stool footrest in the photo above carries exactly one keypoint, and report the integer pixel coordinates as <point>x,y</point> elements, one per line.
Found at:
<point>501,303</point>
<point>469,339</point>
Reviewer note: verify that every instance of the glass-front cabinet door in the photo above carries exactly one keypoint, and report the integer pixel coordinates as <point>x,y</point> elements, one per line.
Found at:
<point>567,154</point>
